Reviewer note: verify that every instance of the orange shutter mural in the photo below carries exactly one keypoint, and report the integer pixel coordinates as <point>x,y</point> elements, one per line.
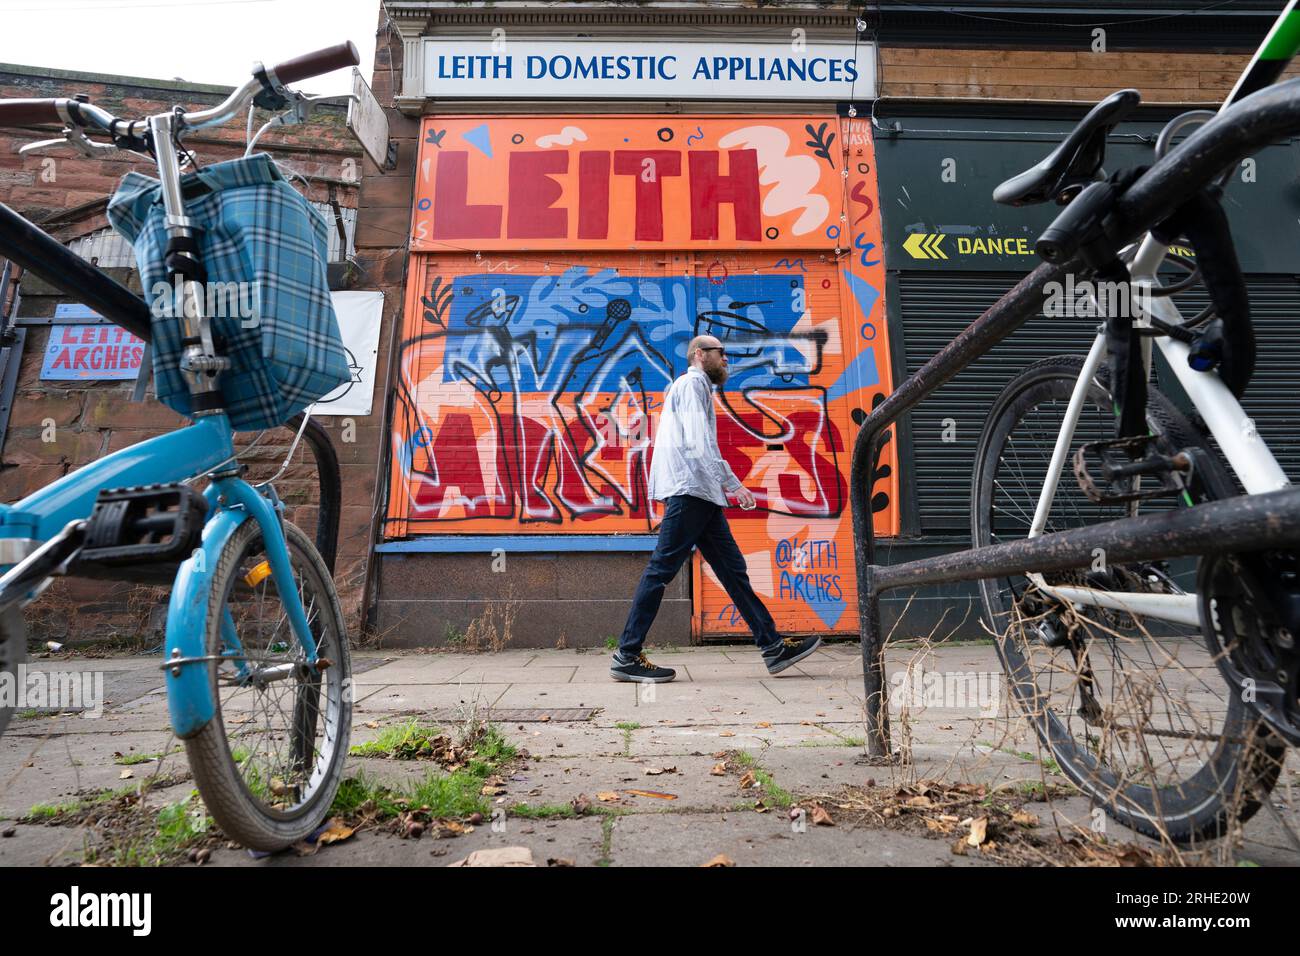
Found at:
<point>535,356</point>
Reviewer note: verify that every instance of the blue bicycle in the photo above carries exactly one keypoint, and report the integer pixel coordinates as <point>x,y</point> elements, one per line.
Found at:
<point>256,651</point>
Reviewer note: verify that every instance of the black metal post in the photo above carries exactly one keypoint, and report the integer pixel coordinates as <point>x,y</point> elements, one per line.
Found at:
<point>1010,312</point>
<point>34,250</point>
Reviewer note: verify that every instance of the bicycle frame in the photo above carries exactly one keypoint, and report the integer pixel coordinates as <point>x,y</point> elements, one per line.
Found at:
<point>205,448</point>
<point>1247,454</point>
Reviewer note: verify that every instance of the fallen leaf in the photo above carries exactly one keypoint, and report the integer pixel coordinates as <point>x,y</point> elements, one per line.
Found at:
<point>748,780</point>
<point>335,832</point>
<point>726,733</point>
<point>1024,818</point>
<point>372,724</point>
<point>763,723</point>
<point>719,769</point>
<point>559,861</point>
<point>652,793</point>
<point>820,817</point>
<point>581,804</point>
<point>720,860</point>
<point>959,847</point>
<point>978,831</point>
<point>945,726</point>
<point>920,802</point>
<point>607,796</point>
<point>125,774</point>
<point>819,714</point>
<point>545,717</point>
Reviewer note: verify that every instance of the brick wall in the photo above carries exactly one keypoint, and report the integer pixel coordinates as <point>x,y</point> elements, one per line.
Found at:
<point>91,419</point>
<point>1059,74</point>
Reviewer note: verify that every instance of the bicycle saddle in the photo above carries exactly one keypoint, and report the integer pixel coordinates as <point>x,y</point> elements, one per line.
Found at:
<point>1074,163</point>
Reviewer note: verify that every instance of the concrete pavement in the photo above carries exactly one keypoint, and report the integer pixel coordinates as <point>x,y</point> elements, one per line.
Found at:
<point>587,735</point>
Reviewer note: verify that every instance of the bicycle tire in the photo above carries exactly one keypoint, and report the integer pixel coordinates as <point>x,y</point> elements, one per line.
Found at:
<point>13,654</point>
<point>240,794</point>
<point>1245,761</point>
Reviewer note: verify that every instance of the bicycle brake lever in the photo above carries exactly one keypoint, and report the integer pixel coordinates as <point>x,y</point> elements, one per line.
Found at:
<point>302,107</point>
<point>42,144</point>
<point>71,137</point>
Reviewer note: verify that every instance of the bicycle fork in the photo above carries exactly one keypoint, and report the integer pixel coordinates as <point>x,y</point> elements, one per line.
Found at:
<point>189,690</point>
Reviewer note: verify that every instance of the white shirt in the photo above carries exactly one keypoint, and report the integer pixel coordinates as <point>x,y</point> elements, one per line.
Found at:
<point>686,459</point>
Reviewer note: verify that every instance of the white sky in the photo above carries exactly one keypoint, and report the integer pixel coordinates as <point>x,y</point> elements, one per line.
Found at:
<point>202,41</point>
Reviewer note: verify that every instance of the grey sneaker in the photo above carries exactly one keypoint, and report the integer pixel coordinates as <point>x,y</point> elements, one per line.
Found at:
<point>640,670</point>
<point>790,651</point>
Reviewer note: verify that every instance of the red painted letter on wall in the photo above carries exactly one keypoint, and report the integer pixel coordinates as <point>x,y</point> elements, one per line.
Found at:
<point>649,188</point>
<point>453,217</point>
<point>532,194</point>
<point>709,190</point>
<point>593,194</point>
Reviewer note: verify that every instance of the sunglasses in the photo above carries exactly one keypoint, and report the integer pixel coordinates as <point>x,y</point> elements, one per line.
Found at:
<point>711,348</point>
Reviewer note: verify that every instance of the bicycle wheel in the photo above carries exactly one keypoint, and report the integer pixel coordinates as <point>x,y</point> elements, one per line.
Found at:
<point>1132,709</point>
<point>13,653</point>
<point>270,761</point>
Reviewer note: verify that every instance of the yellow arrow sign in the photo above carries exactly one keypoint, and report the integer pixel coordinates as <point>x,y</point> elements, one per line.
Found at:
<point>925,245</point>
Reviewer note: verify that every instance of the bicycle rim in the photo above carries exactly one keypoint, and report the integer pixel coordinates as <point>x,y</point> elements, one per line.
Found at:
<point>275,749</point>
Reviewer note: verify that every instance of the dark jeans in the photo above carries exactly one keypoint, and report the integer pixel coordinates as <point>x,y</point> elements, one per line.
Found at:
<point>688,522</point>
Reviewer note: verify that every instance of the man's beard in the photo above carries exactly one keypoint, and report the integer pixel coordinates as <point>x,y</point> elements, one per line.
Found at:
<point>717,375</point>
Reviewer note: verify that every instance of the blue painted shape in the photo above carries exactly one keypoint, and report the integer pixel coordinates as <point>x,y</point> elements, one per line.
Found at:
<point>480,137</point>
<point>860,373</point>
<point>456,544</point>
<point>864,293</point>
<point>829,611</point>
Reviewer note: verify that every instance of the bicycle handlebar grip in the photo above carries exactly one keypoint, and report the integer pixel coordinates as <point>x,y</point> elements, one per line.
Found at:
<point>29,112</point>
<point>314,64</point>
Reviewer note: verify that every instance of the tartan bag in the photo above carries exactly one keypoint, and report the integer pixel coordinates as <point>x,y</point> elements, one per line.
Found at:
<point>264,250</point>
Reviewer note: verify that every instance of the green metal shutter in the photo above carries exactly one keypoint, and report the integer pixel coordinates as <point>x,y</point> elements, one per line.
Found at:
<point>935,307</point>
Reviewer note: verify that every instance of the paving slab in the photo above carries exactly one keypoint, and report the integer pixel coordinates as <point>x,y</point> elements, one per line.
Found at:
<point>575,840</point>
<point>768,839</point>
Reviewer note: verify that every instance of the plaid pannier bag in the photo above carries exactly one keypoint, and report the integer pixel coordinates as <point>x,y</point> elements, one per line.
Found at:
<point>264,249</point>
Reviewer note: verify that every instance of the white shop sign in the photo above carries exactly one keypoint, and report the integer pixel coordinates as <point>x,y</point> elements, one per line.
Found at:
<point>473,67</point>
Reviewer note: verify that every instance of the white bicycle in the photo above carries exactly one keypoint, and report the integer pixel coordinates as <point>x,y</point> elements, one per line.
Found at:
<point>1166,691</point>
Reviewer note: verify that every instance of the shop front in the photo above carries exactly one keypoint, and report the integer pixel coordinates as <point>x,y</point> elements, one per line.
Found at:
<point>560,263</point>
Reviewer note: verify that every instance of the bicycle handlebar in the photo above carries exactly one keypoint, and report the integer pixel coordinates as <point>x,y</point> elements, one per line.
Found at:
<point>29,112</point>
<point>314,64</point>
<point>63,110</point>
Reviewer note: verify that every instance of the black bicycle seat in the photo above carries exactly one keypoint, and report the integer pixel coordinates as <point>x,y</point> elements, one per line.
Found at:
<point>1074,163</point>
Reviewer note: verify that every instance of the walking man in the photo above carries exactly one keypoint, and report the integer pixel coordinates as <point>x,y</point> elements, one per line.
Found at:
<point>689,473</point>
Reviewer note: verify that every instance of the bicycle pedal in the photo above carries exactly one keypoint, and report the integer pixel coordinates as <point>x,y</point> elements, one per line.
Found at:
<point>141,534</point>
<point>1122,464</point>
